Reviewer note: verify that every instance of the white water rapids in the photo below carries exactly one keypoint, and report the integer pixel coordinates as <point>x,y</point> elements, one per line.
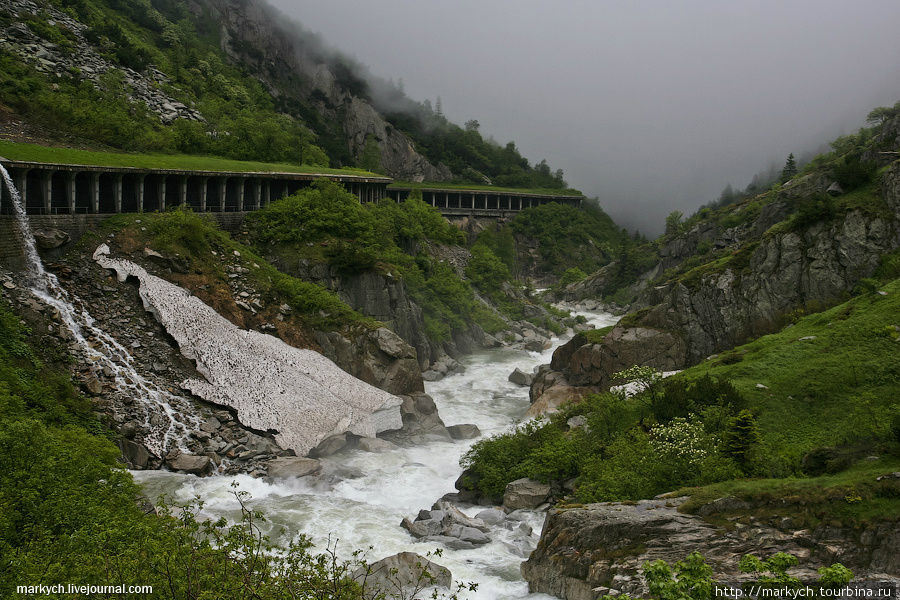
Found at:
<point>362,497</point>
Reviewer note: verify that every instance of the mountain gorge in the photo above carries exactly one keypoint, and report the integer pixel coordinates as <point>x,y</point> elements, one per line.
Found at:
<point>204,401</point>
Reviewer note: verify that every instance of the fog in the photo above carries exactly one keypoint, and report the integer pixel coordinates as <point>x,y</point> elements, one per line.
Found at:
<point>651,106</point>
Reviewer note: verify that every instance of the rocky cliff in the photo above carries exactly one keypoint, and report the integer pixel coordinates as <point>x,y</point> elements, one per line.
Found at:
<point>596,549</point>
<point>257,37</point>
<point>770,267</point>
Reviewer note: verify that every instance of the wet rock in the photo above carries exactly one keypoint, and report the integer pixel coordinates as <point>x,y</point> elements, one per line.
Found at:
<point>92,385</point>
<point>464,431</point>
<point>520,377</point>
<point>405,571</point>
<point>525,493</point>
<point>329,446</point>
<point>190,463</point>
<point>293,466</point>
<point>368,444</point>
<point>491,516</point>
<point>134,455</point>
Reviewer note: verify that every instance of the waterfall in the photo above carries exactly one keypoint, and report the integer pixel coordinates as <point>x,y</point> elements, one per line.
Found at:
<point>168,418</point>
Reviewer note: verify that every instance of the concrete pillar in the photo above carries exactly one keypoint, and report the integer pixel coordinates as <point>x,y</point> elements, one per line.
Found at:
<point>139,190</point>
<point>257,193</point>
<point>182,190</point>
<point>95,193</point>
<point>223,190</point>
<point>47,191</point>
<point>162,193</point>
<point>241,182</point>
<point>70,191</point>
<point>266,192</point>
<point>117,192</point>
<point>22,185</point>
<point>204,189</point>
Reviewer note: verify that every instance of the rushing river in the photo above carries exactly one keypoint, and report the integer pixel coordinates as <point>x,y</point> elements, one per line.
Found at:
<point>361,497</point>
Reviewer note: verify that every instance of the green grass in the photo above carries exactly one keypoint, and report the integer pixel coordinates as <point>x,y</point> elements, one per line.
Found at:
<point>852,496</point>
<point>440,185</point>
<point>35,153</point>
<point>596,336</point>
<point>839,387</point>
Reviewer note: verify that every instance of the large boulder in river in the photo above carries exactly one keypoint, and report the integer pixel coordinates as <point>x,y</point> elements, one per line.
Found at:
<point>464,431</point>
<point>520,377</point>
<point>190,463</point>
<point>406,571</point>
<point>293,466</point>
<point>525,493</point>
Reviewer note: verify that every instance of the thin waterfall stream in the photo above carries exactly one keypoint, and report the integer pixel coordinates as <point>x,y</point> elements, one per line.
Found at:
<point>167,416</point>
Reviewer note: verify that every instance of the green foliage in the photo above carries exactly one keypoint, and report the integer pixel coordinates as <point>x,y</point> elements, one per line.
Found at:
<point>486,271</point>
<point>571,275</point>
<point>568,235</point>
<point>813,209</point>
<point>852,172</point>
<point>393,238</point>
<point>674,223</point>
<point>741,438</point>
<point>370,158</point>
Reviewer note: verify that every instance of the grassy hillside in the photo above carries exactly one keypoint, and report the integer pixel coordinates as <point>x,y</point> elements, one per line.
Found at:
<point>36,153</point>
<point>814,398</point>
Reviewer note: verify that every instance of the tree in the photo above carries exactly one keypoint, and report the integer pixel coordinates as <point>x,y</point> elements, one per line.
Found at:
<point>790,169</point>
<point>439,107</point>
<point>741,437</point>
<point>881,114</point>
<point>673,222</point>
<point>472,125</point>
<point>727,196</point>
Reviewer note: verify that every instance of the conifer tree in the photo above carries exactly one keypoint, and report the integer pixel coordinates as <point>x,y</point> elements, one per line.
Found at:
<point>790,169</point>
<point>741,437</point>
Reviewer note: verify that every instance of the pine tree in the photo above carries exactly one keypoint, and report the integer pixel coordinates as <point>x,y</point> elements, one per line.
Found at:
<point>741,437</point>
<point>438,107</point>
<point>790,169</point>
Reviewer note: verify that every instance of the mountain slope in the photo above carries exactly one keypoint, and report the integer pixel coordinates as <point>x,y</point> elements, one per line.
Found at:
<point>230,78</point>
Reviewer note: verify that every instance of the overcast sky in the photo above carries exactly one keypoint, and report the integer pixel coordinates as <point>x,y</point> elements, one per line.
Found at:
<point>652,106</point>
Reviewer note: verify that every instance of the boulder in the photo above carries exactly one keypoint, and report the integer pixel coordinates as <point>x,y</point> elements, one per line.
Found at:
<point>723,505</point>
<point>404,571</point>
<point>525,493</point>
<point>190,463</point>
<point>491,516</point>
<point>464,431</point>
<point>48,239</point>
<point>329,446</point>
<point>134,455</point>
<point>293,466</point>
<point>520,377</point>
<point>368,444</point>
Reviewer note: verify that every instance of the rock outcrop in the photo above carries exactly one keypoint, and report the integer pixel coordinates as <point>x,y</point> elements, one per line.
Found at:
<point>406,572</point>
<point>260,39</point>
<point>599,549</point>
<point>775,271</point>
<point>298,395</point>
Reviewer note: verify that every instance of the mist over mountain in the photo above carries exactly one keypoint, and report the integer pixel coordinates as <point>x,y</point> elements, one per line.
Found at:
<point>652,108</point>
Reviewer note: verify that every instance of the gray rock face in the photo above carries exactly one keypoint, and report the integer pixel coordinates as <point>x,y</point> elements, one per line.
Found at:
<point>525,493</point>
<point>597,549</point>
<point>448,525</point>
<point>406,571</point>
<point>48,239</point>
<point>682,323</point>
<point>520,377</point>
<point>298,394</point>
<point>464,431</point>
<point>189,463</point>
<point>293,466</point>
